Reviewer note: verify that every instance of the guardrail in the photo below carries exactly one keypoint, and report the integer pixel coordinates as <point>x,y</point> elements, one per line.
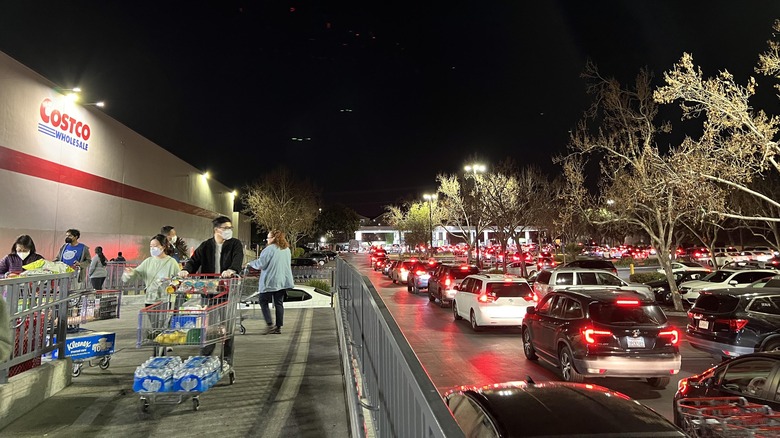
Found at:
<point>38,314</point>
<point>114,279</point>
<point>389,392</point>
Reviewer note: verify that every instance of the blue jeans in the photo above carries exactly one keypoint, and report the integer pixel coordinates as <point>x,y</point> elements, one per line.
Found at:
<point>278,297</point>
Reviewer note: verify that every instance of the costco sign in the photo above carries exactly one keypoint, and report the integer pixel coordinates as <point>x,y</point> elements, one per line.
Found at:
<point>62,126</point>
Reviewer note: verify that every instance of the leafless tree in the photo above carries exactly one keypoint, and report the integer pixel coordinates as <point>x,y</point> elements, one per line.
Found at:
<point>461,206</point>
<point>282,201</point>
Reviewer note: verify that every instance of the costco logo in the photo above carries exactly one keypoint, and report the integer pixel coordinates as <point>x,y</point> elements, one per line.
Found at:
<point>63,126</point>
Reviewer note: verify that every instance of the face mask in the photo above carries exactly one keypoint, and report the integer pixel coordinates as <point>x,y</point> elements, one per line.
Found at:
<point>174,239</point>
<point>23,255</point>
<point>155,251</point>
<point>227,234</point>
<point>68,240</point>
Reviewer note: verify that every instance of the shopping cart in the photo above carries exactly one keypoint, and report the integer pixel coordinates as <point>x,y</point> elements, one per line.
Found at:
<point>206,319</point>
<point>84,345</point>
<point>727,417</point>
<point>250,297</point>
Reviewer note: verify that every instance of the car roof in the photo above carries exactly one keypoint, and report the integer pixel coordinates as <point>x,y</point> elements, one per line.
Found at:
<point>607,295</point>
<point>579,269</point>
<point>741,291</point>
<point>499,277</point>
<point>568,409</point>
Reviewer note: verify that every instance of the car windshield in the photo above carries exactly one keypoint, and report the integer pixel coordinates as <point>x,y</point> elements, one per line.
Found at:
<point>608,313</point>
<point>460,274</point>
<point>718,276</point>
<point>508,289</point>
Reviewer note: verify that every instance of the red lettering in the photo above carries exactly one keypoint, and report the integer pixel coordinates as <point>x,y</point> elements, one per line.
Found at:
<point>64,122</point>
<point>85,132</point>
<point>56,118</point>
<point>44,106</point>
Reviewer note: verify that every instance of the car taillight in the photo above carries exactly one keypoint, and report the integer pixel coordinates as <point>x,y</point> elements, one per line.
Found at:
<point>590,333</point>
<point>673,333</point>
<point>403,270</point>
<point>682,386</point>
<point>485,298</point>
<point>627,302</point>
<point>735,325</point>
<point>447,281</point>
<point>420,272</point>
<point>531,297</point>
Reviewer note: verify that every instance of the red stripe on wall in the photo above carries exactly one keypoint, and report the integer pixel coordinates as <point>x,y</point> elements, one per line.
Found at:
<point>20,162</point>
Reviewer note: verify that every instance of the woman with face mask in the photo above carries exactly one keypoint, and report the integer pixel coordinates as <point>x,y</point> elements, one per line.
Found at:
<point>155,270</point>
<point>22,253</point>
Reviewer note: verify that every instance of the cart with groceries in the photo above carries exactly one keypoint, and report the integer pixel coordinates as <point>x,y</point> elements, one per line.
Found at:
<point>82,345</point>
<point>727,417</point>
<point>201,312</point>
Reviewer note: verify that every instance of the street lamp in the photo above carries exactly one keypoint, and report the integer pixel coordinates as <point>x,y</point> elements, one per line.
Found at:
<point>476,168</point>
<point>430,198</point>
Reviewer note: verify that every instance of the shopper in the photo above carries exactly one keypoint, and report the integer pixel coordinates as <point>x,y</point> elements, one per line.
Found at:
<point>275,278</point>
<point>119,258</point>
<point>75,254</point>
<point>97,269</point>
<point>179,245</point>
<point>221,254</point>
<point>22,253</point>
<point>155,271</point>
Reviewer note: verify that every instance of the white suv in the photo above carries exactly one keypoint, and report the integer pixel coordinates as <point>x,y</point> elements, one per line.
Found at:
<point>583,278</point>
<point>492,300</point>
<point>723,279</point>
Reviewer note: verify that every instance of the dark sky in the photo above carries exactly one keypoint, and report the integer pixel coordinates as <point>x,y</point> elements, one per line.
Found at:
<point>389,93</point>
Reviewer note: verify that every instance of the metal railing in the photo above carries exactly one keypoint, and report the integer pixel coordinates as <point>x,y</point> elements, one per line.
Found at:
<point>114,279</point>
<point>385,376</point>
<point>302,274</point>
<point>38,314</point>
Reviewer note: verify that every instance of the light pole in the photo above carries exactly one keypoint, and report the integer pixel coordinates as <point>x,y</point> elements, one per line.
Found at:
<point>430,198</point>
<point>476,168</point>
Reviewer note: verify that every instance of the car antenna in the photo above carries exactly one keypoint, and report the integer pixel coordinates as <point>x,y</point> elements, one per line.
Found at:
<point>529,380</point>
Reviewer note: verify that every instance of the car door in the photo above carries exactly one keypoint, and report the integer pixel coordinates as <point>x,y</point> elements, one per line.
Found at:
<point>754,378</point>
<point>546,324</point>
<point>433,282</point>
<point>541,283</point>
<point>743,279</point>
<point>462,301</point>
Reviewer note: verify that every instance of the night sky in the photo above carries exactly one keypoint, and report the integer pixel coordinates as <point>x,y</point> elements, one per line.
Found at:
<point>385,95</point>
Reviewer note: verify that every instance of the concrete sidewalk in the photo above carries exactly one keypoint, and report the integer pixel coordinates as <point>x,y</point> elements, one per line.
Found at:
<point>286,385</point>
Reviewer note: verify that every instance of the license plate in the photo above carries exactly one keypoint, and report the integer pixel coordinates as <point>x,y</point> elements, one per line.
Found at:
<point>636,342</point>
<point>704,324</point>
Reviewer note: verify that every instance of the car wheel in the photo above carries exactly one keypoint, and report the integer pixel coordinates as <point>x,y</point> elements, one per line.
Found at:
<point>566,361</point>
<point>528,348</point>
<point>321,262</point>
<point>431,298</point>
<point>455,313</point>
<point>658,382</point>
<point>473,319</point>
<point>531,273</point>
<point>772,346</point>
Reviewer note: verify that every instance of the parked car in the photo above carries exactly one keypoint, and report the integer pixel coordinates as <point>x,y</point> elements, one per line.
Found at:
<point>492,300</point>
<point>753,264</point>
<point>553,409</point>
<point>720,279</point>
<point>318,256</point>
<point>445,278</point>
<point>752,376</point>
<point>732,322</point>
<point>583,278</point>
<point>766,282</point>
<point>303,261</point>
<point>331,254</point>
<point>602,333</point>
<point>607,265</point>
<point>683,265</point>
<point>661,289</point>
<point>418,276</point>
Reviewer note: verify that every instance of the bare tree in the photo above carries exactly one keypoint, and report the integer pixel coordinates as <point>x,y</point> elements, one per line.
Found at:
<point>758,210</point>
<point>460,206</point>
<point>281,201</point>
<point>639,185</point>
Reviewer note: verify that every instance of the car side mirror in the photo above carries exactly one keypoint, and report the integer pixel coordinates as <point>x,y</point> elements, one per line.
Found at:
<point>733,282</point>
<point>531,310</point>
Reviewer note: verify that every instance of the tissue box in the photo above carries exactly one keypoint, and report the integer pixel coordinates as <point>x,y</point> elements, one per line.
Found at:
<point>87,346</point>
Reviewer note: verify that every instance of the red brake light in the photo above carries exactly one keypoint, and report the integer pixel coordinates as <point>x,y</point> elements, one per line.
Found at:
<point>447,281</point>
<point>682,386</point>
<point>484,298</point>
<point>627,302</point>
<point>673,333</point>
<point>735,325</point>
<point>403,269</point>
<point>531,297</point>
<point>464,268</point>
<point>420,272</point>
<point>589,333</point>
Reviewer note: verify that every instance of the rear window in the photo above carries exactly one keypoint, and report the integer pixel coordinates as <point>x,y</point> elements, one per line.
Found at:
<point>716,303</point>
<point>460,274</point>
<point>507,290</point>
<point>608,313</point>
<point>718,276</point>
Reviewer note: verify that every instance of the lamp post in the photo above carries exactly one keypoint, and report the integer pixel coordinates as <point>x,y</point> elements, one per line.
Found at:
<point>430,198</point>
<point>474,169</point>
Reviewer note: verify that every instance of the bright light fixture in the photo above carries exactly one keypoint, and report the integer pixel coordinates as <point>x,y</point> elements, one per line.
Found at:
<point>206,175</point>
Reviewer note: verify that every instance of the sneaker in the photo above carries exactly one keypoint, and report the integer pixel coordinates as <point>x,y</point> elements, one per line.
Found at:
<point>276,331</point>
<point>269,329</point>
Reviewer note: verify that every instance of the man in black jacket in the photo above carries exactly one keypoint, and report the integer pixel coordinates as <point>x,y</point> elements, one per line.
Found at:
<point>222,254</point>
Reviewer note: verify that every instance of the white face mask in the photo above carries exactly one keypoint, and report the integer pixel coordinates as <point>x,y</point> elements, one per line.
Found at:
<point>227,234</point>
<point>155,251</point>
<point>22,255</point>
<point>174,239</point>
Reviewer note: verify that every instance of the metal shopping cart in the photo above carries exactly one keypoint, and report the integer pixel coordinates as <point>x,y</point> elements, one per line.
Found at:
<point>206,319</point>
<point>727,417</point>
<point>84,345</point>
<point>250,297</point>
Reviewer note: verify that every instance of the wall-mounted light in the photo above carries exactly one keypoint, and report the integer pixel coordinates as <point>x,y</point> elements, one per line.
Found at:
<point>100,104</point>
<point>205,175</point>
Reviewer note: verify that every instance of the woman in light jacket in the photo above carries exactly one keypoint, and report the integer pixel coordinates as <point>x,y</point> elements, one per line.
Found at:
<point>275,278</point>
<point>97,269</point>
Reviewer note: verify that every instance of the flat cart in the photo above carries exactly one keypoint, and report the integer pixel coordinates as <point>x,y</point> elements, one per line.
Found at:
<point>727,417</point>
<point>206,319</point>
<point>84,345</point>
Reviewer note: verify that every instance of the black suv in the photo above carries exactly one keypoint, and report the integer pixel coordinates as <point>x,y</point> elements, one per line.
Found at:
<point>442,283</point>
<point>593,264</point>
<point>602,333</point>
<point>732,322</point>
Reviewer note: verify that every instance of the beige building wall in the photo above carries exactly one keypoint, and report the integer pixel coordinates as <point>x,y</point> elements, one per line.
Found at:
<point>88,171</point>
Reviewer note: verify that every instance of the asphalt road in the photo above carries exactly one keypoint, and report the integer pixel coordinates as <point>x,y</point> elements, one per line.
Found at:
<point>453,354</point>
